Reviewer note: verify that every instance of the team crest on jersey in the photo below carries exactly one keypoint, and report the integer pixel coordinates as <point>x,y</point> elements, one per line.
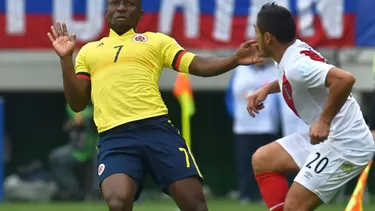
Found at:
<point>101,169</point>
<point>140,38</point>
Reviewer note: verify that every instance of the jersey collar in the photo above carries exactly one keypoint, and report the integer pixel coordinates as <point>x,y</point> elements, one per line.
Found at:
<point>114,34</point>
<point>286,53</point>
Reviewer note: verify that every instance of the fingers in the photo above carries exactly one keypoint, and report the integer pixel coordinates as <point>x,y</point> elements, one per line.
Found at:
<point>54,32</point>
<point>50,36</point>
<point>251,42</point>
<point>260,107</point>
<point>65,29</point>
<point>258,60</point>
<point>74,37</point>
<point>315,141</point>
<point>248,43</point>
<point>317,138</point>
<point>59,29</point>
<point>252,109</point>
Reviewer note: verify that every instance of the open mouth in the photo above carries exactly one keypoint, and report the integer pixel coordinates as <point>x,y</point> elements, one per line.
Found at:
<point>121,18</point>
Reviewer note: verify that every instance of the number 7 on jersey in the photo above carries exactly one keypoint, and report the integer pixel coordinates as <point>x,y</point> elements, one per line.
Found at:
<point>119,48</point>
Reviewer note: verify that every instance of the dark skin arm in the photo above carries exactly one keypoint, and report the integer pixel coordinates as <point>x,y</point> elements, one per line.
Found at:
<point>77,91</point>
<point>208,67</point>
<point>247,54</point>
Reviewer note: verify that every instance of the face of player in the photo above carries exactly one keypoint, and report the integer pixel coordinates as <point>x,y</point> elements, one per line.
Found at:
<point>262,42</point>
<point>123,15</point>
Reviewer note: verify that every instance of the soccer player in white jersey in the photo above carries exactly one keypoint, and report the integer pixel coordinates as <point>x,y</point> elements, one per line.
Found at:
<point>339,144</point>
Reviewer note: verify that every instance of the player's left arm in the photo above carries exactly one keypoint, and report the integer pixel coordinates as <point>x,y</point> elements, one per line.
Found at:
<point>339,84</point>
<point>179,59</point>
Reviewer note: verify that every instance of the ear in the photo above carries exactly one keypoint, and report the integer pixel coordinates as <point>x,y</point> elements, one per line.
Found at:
<point>267,37</point>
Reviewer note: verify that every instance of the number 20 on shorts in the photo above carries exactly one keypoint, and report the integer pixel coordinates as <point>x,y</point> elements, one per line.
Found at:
<point>321,164</point>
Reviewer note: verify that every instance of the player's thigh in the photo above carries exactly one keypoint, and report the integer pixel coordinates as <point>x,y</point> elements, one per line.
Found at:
<point>172,164</point>
<point>285,155</point>
<point>188,194</point>
<point>321,177</point>
<point>119,191</point>
<point>121,174</point>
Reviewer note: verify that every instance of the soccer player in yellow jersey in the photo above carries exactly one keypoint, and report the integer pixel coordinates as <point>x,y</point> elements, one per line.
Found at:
<point>120,73</point>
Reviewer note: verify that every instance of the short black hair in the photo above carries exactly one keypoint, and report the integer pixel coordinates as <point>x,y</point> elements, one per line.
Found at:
<point>278,21</point>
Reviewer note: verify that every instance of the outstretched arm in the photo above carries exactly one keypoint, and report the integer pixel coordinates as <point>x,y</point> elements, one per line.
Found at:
<point>207,67</point>
<point>176,57</point>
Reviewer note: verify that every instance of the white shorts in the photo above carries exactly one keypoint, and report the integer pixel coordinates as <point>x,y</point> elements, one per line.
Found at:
<point>323,169</point>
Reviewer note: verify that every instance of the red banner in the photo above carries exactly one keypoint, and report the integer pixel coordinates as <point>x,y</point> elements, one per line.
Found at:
<point>208,24</point>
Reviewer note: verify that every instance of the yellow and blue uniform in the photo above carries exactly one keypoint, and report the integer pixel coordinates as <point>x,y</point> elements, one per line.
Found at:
<point>135,134</point>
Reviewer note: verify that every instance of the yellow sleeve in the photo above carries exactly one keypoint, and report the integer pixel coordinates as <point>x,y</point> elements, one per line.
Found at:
<point>175,56</point>
<point>81,67</point>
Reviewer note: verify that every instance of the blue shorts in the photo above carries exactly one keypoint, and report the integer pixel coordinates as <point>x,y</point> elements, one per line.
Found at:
<point>150,146</point>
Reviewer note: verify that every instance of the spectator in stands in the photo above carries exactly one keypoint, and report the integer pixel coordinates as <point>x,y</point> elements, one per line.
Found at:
<point>77,153</point>
<point>251,133</point>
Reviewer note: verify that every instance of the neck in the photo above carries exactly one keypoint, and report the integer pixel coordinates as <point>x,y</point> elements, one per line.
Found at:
<point>278,52</point>
<point>121,32</point>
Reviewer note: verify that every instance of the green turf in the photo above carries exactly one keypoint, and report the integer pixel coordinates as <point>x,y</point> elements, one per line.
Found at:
<point>214,205</point>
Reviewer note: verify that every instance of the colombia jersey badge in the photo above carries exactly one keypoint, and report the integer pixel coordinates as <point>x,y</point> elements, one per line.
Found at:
<point>140,38</point>
<point>101,169</point>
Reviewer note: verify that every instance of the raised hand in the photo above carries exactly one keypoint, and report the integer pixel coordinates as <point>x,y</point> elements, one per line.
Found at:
<point>248,53</point>
<point>63,44</point>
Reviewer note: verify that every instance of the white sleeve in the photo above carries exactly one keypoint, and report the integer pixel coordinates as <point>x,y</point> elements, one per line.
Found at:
<point>312,73</point>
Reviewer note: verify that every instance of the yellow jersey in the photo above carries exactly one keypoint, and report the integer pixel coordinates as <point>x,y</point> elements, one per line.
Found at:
<point>124,72</point>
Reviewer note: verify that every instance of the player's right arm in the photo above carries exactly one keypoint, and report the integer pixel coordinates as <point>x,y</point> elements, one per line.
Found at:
<point>272,87</point>
<point>76,89</point>
<point>254,101</point>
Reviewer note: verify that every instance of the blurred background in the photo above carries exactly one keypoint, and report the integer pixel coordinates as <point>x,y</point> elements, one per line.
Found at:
<point>41,138</point>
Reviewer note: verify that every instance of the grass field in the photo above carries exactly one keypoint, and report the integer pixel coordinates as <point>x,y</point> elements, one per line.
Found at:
<point>214,205</point>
